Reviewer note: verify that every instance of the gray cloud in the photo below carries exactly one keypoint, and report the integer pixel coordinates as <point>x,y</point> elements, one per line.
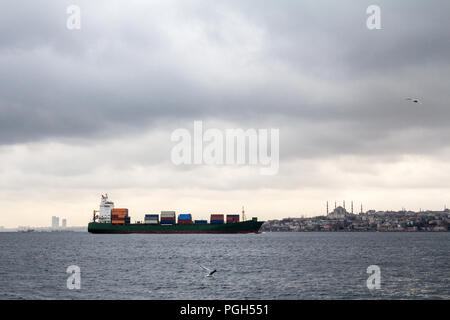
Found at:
<point>137,67</point>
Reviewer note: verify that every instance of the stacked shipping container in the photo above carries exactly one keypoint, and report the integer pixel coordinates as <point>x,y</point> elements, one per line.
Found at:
<point>168,217</point>
<point>185,218</point>
<point>232,218</point>
<point>151,219</point>
<point>119,216</point>
<point>216,219</point>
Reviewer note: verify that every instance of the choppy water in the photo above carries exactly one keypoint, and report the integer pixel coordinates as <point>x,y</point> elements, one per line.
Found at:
<point>264,266</point>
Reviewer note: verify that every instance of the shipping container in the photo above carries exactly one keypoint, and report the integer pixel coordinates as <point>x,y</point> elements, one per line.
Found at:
<point>184,221</point>
<point>232,218</point>
<point>185,216</point>
<point>120,216</point>
<point>200,221</point>
<point>167,218</point>
<point>152,216</point>
<point>151,221</point>
<point>117,210</point>
<point>216,217</point>
<point>167,222</point>
<point>216,221</point>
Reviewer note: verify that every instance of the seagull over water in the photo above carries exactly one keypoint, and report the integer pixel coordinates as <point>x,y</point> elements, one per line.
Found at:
<point>210,272</point>
<point>413,100</point>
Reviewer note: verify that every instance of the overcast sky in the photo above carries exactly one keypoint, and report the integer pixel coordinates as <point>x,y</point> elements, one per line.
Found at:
<point>89,111</point>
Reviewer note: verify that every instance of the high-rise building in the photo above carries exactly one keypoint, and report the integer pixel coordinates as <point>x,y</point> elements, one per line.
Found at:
<point>64,223</point>
<point>55,222</point>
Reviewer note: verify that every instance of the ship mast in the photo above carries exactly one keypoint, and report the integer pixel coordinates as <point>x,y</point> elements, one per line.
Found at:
<point>243,214</point>
<point>95,211</point>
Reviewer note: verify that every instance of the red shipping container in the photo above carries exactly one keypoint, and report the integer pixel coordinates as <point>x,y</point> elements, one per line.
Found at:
<point>113,217</point>
<point>119,213</point>
<point>167,219</point>
<point>184,221</point>
<point>217,217</point>
<point>119,210</point>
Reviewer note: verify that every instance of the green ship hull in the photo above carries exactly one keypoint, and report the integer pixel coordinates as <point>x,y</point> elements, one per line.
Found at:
<point>250,226</point>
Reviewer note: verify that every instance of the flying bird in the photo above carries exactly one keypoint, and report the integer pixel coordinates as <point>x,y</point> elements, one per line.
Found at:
<point>413,100</point>
<point>210,272</point>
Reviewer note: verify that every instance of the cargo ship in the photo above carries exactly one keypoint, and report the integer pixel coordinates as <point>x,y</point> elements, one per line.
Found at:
<point>116,220</point>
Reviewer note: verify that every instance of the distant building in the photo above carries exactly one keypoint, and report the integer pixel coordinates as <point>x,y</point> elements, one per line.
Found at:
<point>55,222</point>
<point>64,223</point>
<point>338,213</point>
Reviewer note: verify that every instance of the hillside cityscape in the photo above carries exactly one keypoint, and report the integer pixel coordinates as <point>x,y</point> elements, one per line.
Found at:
<point>341,220</point>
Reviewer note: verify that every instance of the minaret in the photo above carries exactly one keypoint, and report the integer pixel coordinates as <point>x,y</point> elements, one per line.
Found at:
<point>352,207</point>
<point>361,208</point>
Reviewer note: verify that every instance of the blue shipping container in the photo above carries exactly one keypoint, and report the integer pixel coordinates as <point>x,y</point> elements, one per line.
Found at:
<point>216,221</point>
<point>167,222</point>
<point>200,221</point>
<point>185,216</point>
<point>152,216</point>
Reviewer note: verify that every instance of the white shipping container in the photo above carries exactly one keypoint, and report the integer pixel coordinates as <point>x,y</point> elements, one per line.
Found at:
<point>167,214</point>
<point>151,221</point>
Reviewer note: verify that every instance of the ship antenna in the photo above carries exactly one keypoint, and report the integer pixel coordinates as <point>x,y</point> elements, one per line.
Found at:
<point>243,214</point>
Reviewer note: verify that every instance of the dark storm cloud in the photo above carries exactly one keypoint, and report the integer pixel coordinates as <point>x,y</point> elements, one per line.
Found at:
<point>317,65</point>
